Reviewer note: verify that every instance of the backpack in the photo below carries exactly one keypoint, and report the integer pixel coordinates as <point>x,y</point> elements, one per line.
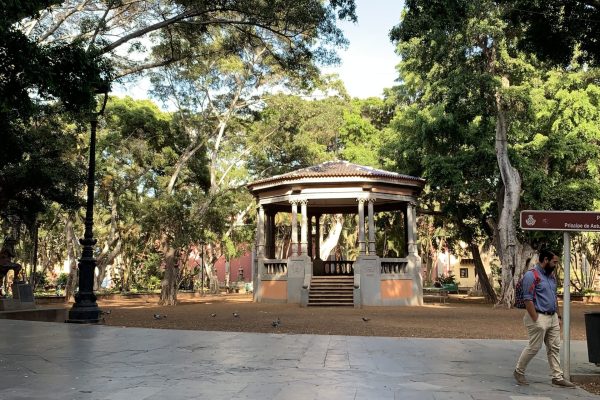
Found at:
<point>519,301</point>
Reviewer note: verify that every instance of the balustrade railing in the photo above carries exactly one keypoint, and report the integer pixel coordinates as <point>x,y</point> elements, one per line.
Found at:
<point>340,267</point>
<point>393,265</point>
<point>276,267</point>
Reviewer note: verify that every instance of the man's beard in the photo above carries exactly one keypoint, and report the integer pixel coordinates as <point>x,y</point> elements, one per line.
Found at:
<point>549,269</point>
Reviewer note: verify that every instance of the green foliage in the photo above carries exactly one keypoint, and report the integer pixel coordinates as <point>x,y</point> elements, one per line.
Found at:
<point>40,278</point>
<point>61,280</point>
<point>454,58</point>
<point>555,30</point>
<point>447,279</point>
<point>37,163</point>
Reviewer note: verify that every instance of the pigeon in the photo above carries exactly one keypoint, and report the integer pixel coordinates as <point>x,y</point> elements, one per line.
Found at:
<point>236,315</point>
<point>105,312</point>
<point>159,316</point>
<point>213,315</point>
<point>276,323</point>
<point>366,319</point>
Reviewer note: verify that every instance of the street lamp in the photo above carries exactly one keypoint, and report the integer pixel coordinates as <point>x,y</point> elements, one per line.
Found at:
<point>85,309</point>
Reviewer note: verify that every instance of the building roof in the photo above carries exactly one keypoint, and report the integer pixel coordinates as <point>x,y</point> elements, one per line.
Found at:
<point>336,169</point>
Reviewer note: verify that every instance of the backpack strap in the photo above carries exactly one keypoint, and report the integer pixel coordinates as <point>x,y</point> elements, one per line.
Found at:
<point>536,280</point>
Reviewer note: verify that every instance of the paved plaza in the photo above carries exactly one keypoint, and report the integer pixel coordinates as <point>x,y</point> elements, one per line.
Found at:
<point>64,361</point>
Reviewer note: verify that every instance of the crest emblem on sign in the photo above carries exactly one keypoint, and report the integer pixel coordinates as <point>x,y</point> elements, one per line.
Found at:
<point>530,220</point>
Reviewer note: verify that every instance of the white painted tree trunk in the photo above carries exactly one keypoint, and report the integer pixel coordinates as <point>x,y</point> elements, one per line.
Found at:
<point>72,252</point>
<point>333,237</point>
<point>510,250</point>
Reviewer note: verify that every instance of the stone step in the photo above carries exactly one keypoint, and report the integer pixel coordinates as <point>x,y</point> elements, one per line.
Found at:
<point>331,304</point>
<point>331,291</point>
<point>331,285</point>
<point>327,278</point>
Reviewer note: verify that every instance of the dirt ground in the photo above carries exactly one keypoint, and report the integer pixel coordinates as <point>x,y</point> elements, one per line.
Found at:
<point>460,317</point>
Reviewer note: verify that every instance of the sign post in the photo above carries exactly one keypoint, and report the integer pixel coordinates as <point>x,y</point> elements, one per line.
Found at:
<point>566,221</point>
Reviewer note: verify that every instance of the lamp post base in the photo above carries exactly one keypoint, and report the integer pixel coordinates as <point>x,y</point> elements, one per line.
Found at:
<point>85,310</point>
<point>84,315</point>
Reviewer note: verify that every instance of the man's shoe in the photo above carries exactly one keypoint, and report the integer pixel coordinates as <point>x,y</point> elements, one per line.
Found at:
<point>520,378</point>
<point>562,382</point>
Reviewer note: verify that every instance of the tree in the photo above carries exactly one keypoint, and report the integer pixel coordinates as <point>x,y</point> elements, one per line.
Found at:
<point>157,33</point>
<point>42,91</point>
<point>458,57</point>
<point>556,30</point>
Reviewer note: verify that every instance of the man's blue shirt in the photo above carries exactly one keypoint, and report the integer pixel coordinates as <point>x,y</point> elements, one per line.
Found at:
<point>545,290</point>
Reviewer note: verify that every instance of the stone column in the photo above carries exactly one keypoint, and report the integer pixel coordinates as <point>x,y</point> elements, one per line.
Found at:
<point>260,231</point>
<point>371,227</point>
<point>304,227</point>
<point>411,222</point>
<point>271,235</point>
<point>294,227</point>
<point>317,237</point>
<point>310,236</point>
<point>267,234</point>
<point>361,226</point>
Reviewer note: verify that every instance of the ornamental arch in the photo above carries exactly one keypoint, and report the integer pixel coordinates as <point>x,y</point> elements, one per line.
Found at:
<point>336,187</point>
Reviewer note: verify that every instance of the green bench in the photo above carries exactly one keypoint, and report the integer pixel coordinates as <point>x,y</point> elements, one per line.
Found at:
<point>451,287</point>
<point>434,293</point>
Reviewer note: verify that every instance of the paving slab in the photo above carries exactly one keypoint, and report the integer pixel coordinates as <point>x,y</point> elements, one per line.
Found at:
<point>42,360</point>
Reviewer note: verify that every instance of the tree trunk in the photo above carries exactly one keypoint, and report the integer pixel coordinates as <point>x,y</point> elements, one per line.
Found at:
<point>104,260</point>
<point>72,246</point>
<point>106,256</point>
<point>168,286</point>
<point>484,282</point>
<point>508,243</point>
<point>332,237</point>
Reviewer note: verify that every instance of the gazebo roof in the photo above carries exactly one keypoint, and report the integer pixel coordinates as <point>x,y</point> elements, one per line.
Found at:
<point>335,186</point>
<point>337,169</point>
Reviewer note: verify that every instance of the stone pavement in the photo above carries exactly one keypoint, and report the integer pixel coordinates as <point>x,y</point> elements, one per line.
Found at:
<point>63,361</point>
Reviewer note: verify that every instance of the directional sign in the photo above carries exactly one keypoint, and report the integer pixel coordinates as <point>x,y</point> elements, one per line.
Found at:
<point>578,221</point>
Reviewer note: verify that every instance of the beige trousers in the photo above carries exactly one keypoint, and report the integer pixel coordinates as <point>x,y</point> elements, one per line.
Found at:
<point>545,330</point>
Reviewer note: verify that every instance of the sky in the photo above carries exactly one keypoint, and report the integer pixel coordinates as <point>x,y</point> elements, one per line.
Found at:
<point>367,66</point>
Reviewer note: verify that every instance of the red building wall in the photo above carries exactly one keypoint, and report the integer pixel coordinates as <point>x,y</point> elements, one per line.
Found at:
<point>244,261</point>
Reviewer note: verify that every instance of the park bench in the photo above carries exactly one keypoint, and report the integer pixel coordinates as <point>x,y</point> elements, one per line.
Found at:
<point>436,294</point>
<point>450,287</point>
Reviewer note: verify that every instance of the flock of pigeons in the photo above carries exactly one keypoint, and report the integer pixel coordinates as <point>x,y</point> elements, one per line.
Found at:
<point>275,324</point>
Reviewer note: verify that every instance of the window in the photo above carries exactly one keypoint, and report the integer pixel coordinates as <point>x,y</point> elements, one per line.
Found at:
<point>464,272</point>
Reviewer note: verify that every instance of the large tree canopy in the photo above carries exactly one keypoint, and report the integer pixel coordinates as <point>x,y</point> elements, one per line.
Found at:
<point>42,87</point>
<point>62,51</point>
<point>472,85</point>
<point>141,35</point>
<point>557,30</point>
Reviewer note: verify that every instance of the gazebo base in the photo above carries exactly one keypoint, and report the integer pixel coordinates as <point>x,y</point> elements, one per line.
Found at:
<point>374,281</point>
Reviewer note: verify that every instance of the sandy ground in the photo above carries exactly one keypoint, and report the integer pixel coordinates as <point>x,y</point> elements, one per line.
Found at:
<point>461,317</point>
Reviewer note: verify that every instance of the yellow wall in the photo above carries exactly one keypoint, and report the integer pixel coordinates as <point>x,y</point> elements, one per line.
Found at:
<point>468,281</point>
<point>273,290</point>
<point>396,289</point>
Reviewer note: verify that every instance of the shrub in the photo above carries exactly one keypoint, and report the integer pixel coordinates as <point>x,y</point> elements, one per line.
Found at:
<point>62,279</point>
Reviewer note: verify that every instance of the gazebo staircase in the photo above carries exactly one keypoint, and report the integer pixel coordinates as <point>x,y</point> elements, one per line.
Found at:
<point>331,291</point>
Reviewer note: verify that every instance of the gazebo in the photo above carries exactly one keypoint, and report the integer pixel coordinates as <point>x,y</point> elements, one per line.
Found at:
<point>336,187</point>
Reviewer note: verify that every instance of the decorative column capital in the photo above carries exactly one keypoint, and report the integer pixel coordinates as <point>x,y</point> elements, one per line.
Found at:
<point>302,202</point>
<point>361,200</point>
<point>371,200</point>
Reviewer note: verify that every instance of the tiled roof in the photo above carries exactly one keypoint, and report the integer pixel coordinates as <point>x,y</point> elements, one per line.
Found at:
<point>337,169</point>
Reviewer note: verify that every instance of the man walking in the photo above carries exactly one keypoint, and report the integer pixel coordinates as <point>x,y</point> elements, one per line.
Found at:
<point>542,319</point>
